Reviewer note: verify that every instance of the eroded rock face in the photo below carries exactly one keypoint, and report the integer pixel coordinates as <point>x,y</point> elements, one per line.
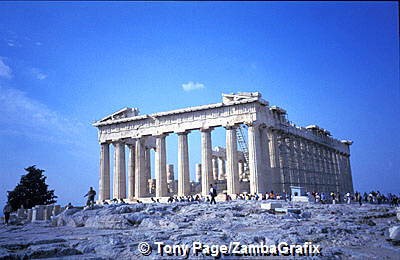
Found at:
<point>114,231</point>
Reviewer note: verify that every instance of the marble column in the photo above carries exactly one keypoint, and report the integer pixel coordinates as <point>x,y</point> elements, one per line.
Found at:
<point>119,190</point>
<point>170,173</point>
<point>206,161</point>
<point>161,167</point>
<point>257,180</point>
<point>198,172</point>
<point>232,171</point>
<point>274,158</point>
<point>183,165</point>
<point>147,158</point>
<point>104,182</point>
<point>131,172</point>
<point>349,176</point>
<point>221,169</point>
<point>140,173</point>
<point>215,168</point>
<point>171,179</point>
<point>241,169</point>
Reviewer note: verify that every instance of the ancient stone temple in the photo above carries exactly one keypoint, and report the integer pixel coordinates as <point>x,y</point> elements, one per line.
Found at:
<point>274,154</point>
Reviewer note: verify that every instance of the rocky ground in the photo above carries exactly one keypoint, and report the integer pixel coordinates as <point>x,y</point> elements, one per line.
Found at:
<point>115,231</point>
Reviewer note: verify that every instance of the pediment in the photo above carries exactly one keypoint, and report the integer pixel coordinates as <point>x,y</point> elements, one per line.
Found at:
<point>122,113</point>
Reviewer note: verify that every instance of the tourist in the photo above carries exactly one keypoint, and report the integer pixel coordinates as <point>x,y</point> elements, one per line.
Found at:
<point>333,198</point>
<point>69,206</point>
<point>7,211</point>
<point>105,202</point>
<point>197,198</point>
<point>213,194</point>
<point>153,200</point>
<point>348,198</point>
<point>91,194</point>
<point>359,198</point>
<point>272,195</point>
<point>317,197</point>
<point>121,200</point>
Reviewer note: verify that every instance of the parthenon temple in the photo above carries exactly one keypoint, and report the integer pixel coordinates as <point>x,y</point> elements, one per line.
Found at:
<point>264,152</point>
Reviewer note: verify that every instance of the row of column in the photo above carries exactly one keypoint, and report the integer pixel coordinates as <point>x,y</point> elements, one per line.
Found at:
<point>308,164</point>
<point>139,165</point>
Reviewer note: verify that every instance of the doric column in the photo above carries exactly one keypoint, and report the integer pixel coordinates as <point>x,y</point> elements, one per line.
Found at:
<point>232,173</point>
<point>104,182</point>
<point>206,161</point>
<point>349,176</point>
<point>273,149</point>
<point>267,182</point>
<point>119,171</point>
<point>131,172</point>
<point>241,169</point>
<point>171,178</point>
<point>258,182</point>
<point>147,158</point>
<point>221,169</point>
<point>198,172</point>
<point>183,165</point>
<point>140,173</point>
<point>161,167</point>
<point>275,180</point>
<point>170,173</point>
<point>334,171</point>
<point>215,168</point>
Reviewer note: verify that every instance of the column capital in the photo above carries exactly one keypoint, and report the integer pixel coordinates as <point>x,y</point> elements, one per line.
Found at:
<point>229,126</point>
<point>253,123</point>
<point>161,135</point>
<point>182,132</point>
<point>206,129</point>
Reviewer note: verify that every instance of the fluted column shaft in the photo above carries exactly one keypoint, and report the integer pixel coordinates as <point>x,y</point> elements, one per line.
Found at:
<point>256,167</point>
<point>131,172</point>
<point>206,161</point>
<point>221,169</point>
<point>232,171</point>
<point>147,158</point>
<point>119,171</point>
<point>161,167</point>
<point>104,182</point>
<point>140,173</point>
<point>183,165</point>
<point>215,168</point>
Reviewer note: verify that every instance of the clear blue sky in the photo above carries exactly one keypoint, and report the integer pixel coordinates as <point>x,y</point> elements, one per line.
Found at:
<point>63,65</point>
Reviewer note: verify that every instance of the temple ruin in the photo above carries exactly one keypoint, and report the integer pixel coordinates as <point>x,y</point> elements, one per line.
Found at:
<point>273,156</point>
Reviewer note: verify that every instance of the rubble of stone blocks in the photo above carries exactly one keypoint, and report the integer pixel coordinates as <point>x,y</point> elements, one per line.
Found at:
<point>39,213</point>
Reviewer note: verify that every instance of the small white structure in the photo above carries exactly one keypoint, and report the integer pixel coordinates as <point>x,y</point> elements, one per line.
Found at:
<point>271,205</point>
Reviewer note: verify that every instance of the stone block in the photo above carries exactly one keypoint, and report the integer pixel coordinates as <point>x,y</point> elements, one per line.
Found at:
<point>398,213</point>
<point>38,213</point>
<point>56,210</point>
<point>394,233</point>
<point>271,205</point>
<point>288,210</point>
<point>29,213</point>
<point>300,199</point>
<point>21,213</point>
<point>48,211</point>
